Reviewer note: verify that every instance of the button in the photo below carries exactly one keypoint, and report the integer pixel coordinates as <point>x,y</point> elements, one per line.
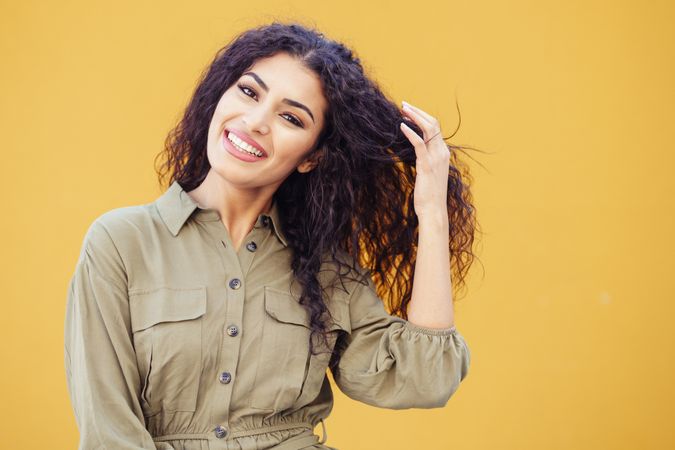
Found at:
<point>265,220</point>
<point>251,246</point>
<point>220,432</point>
<point>235,283</point>
<point>225,377</point>
<point>232,330</point>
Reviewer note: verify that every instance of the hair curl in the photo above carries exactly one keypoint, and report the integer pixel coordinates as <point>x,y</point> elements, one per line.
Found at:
<point>358,200</point>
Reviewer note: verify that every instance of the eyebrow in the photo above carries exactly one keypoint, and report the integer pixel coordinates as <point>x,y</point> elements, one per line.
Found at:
<point>288,101</point>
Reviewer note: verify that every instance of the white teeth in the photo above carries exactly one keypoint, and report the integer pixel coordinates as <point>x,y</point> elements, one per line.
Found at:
<point>243,146</point>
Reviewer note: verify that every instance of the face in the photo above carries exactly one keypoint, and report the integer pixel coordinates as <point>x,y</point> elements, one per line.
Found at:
<point>266,124</point>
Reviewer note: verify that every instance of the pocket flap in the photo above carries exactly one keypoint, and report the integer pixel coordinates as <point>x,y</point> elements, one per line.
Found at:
<point>285,308</point>
<point>166,304</point>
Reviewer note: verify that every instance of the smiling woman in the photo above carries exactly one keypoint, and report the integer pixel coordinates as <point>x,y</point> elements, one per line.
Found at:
<point>300,202</point>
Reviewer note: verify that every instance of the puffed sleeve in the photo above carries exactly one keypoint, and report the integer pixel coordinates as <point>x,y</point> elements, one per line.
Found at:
<point>101,371</point>
<point>389,362</point>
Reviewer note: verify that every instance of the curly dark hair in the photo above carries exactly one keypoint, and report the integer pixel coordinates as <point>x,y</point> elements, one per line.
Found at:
<point>358,201</point>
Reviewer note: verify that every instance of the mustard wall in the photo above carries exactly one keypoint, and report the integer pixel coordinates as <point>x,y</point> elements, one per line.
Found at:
<point>569,308</point>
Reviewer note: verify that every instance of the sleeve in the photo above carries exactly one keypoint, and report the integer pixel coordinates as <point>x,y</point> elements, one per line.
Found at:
<point>389,362</point>
<point>102,375</point>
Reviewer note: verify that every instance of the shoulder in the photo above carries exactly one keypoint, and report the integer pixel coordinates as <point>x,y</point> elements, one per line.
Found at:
<point>119,222</point>
<point>120,228</point>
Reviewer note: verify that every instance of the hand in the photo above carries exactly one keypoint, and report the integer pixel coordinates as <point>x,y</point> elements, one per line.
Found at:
<point>433,159</point>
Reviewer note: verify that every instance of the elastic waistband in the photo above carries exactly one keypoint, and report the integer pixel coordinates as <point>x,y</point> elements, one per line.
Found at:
<point>240,433</point>
<point>270,428</point>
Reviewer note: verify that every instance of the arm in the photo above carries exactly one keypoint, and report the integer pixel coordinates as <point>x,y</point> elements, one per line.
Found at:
<point>389,362</point>
<point>431,300</point>
<point>102,375</point>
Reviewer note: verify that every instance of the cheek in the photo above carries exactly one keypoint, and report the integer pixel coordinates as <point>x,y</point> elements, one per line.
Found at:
<point>225,104</point>
<point>293,145</point>
<point>220,116</point>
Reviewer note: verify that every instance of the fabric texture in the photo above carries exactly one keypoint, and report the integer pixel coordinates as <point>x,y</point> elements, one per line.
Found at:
<point>175,340</point>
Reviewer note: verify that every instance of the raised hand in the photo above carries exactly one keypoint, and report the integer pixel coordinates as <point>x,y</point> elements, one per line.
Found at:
<point>433,159</point>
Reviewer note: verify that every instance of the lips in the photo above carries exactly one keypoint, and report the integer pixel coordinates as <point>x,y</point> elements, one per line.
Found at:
<point>246,138</point>
<point>236,152</point>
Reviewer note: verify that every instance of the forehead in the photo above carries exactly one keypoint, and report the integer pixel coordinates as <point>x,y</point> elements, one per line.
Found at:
<point>286,76</point>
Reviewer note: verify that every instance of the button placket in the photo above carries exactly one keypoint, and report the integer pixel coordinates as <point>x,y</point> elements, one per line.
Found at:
<point>234,294</point>
<point>253,244</point>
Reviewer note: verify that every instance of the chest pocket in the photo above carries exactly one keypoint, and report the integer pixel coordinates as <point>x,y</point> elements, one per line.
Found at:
<point>167,332</point>
<point>287,375</point>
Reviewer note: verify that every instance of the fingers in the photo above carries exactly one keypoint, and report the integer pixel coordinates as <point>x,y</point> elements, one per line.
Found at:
<point>415,139</point>
<point>430,119</point>
<point>418,118</point>
<point>427,147</point>
<point>426,122</point>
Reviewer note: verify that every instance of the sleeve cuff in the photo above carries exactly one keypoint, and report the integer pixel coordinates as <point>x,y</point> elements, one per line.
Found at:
<point>431,331</point>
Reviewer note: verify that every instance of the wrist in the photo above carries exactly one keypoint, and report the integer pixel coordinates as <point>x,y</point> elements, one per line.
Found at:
<point>436,215</point>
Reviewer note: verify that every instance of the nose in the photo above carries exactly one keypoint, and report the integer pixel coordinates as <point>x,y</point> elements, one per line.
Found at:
<point>256,120</point>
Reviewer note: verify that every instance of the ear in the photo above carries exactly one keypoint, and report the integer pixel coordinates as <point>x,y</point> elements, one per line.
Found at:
<point>311,161</point>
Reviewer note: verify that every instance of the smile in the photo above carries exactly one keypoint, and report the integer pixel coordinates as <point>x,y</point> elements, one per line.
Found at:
<point>242,146</point>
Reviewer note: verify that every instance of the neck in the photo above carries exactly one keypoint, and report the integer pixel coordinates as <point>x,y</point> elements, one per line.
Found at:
<point>238,208</point>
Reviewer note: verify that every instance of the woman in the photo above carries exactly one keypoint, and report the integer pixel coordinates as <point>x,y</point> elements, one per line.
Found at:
<point>209,317</point>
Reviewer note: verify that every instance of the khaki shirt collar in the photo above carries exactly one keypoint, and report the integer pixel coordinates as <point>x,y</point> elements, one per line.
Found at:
<point>175,207</point>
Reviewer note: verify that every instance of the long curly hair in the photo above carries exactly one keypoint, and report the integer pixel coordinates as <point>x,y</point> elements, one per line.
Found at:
<point>358,200</point>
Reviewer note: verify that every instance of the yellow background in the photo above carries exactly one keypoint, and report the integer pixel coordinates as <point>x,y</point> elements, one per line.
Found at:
<point>570,308</point>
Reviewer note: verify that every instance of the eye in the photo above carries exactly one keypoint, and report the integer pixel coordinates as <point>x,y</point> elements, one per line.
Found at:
<point>294,120</point>
<point>245,89</point>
